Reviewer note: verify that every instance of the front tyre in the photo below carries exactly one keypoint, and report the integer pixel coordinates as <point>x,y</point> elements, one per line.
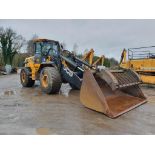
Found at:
<point>50,80</point>
<point>25,78</point>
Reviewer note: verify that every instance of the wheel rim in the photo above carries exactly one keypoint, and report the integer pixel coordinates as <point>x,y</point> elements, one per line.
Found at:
<point>23,76</point>
<point>44,80</point>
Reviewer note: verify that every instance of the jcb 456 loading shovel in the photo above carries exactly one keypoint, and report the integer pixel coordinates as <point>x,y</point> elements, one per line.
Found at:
<point>111,92</point>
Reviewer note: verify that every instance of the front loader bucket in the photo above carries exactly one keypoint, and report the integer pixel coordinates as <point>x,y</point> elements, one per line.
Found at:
<point>111,93</point>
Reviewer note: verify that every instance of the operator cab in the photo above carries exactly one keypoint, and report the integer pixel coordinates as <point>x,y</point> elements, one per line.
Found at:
<point>46,49</point>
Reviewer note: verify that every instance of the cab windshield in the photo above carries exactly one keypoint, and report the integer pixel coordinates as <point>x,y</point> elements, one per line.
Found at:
<point>47,48</point>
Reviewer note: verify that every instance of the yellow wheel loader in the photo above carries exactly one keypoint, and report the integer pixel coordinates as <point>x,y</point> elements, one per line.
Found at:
<point>112,92</point>
<point>141,60</point>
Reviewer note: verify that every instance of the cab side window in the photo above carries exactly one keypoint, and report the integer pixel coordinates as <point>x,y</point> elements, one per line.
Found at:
<point>38,48</point>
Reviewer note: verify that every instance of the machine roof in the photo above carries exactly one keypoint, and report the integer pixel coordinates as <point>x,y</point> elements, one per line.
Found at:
<point>44,40</point>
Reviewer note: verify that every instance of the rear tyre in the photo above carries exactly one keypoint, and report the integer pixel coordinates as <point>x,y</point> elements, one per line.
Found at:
<point>25,78</point>
<point>50,80</point>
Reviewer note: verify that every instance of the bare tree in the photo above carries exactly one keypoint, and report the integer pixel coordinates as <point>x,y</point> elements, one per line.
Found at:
<point>1,58</point>
<point>30,49</point>
<point>10,44</point>
<point>75,49</point>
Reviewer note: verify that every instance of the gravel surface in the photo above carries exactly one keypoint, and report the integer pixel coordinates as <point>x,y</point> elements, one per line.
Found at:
<point>29,111</point>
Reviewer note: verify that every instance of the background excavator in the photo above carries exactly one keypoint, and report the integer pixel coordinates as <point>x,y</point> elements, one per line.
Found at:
<point>141,60</point>
<point>112,92</point>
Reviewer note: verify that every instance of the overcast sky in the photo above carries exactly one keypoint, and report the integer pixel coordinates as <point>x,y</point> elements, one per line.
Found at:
<point>106,37</point>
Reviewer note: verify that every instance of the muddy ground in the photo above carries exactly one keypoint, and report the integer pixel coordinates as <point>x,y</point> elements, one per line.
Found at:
<point>29,111</point>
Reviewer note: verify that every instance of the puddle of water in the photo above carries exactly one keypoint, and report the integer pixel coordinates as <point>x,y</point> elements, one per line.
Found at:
<point>42,131</point>
<point>9,92</point>
<point>36,90</point>
<point>38,93</point>
<point>46,131</point>
<point>15,105</point>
